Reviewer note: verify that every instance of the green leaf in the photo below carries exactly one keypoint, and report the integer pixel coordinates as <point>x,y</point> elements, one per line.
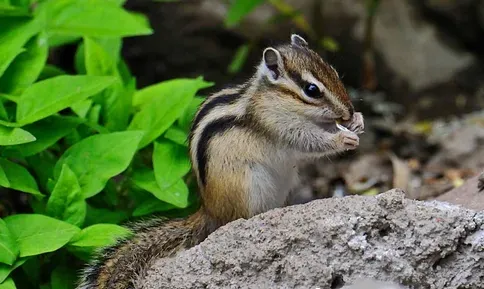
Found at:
<point>239,59</point>
<point>14,136</point>
<point>38,234</point>
<point>47,132</point>
<point>82,107</point>
<point>26,68</point>
<point>18,178</point>
<point>66,202</point>
<point>3,112</point>
<point>99,235</point>
<point>5,269</point>
<point>94,114</point>
<point>170,163</point>
<point>56,39</point>
<point>12,98</point>
<point>32,269</point>
<point>21,3</point>
<point>63,277</point>
<point>118,2</point>
<point>14,34</point>
<point>97,158</point>
<point>92,18</point>
<point>118,106</point>
<point>329,44</point>
<point>42,165</point>
<point>101,215</point>
<point>116,100</point>
<point>79,59</point>
<point>50,71</point>
<point>125,72</point>
<point>98,62</point>
<point>239,9</point>
<point>112,46</point>
<point>49,96</point>
<point>8,247</point>
<point>150,206</point>
<point>176,195</point>
<point>3,177</point>
<point>165,89</point>
<point>8,284</point>
<point>177,135</point>
<point>85,243</point>
<point>162,104</point>
<point>6,9</point>
<point>186,119</point>
<point>8,58</point>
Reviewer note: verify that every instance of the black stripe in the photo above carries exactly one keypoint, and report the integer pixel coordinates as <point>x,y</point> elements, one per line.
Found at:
<point>296,77</point>
<point>212,129</point>
<point>217,101</point>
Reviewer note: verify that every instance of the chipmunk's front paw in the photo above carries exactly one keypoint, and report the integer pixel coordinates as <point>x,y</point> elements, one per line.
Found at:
<point>356,124</point>
<point>348,140</point>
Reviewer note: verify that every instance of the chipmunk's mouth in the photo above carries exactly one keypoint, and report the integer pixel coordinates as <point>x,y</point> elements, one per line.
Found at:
<point>328,125</point>
<point>332,125</point>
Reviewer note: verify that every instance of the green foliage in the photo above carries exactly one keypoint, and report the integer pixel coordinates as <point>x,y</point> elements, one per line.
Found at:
<point>37,234</point>
<point>17,177</point>
<point>161,105</point>
<point>86,150</point>
<point>240,9</point>
<point>239,59</point>
<point>8,247</point>
<point>98,158</point>
<point>49,96</point>
<point>66,202</point>
<point>98,235</point>
<point>63,278</point>
<point>170,163</point>
<point>8,284</point>
<point>176,194</point>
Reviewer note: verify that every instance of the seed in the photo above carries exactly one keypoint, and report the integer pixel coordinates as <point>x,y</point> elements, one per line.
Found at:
<point>341,127</point>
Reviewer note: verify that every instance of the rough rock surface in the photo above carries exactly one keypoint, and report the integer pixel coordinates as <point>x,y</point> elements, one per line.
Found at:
<point>333,243</point>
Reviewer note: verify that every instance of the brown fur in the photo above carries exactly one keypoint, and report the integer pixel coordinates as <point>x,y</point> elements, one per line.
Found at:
<point>154,239</point>
<point>296,57</point>
<point>240,136</point>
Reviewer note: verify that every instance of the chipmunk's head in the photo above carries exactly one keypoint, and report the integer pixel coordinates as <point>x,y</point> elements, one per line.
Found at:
<point>304,82</point>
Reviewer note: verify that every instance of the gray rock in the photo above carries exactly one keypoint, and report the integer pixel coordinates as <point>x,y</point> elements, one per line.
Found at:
<point>333,243</point>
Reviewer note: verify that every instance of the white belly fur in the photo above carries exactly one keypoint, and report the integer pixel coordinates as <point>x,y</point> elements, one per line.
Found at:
<point>271,183</point>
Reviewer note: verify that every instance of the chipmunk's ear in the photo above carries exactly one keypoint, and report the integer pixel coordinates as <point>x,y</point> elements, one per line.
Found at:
<point>273,62</point>
<point>298,40</point>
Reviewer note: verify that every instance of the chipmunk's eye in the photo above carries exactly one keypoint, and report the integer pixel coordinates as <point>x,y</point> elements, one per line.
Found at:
<point>312,90</point>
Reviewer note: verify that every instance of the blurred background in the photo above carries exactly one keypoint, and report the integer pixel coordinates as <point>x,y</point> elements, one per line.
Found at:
<point>413,67</point>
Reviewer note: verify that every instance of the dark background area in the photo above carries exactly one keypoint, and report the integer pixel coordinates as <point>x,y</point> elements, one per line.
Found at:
<point>443,38</point>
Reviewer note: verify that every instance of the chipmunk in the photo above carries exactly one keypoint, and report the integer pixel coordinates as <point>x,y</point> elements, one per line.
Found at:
<point>245,144</point>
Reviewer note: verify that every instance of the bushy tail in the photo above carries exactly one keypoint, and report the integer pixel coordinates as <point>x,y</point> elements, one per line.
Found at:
<point>119,266</point>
